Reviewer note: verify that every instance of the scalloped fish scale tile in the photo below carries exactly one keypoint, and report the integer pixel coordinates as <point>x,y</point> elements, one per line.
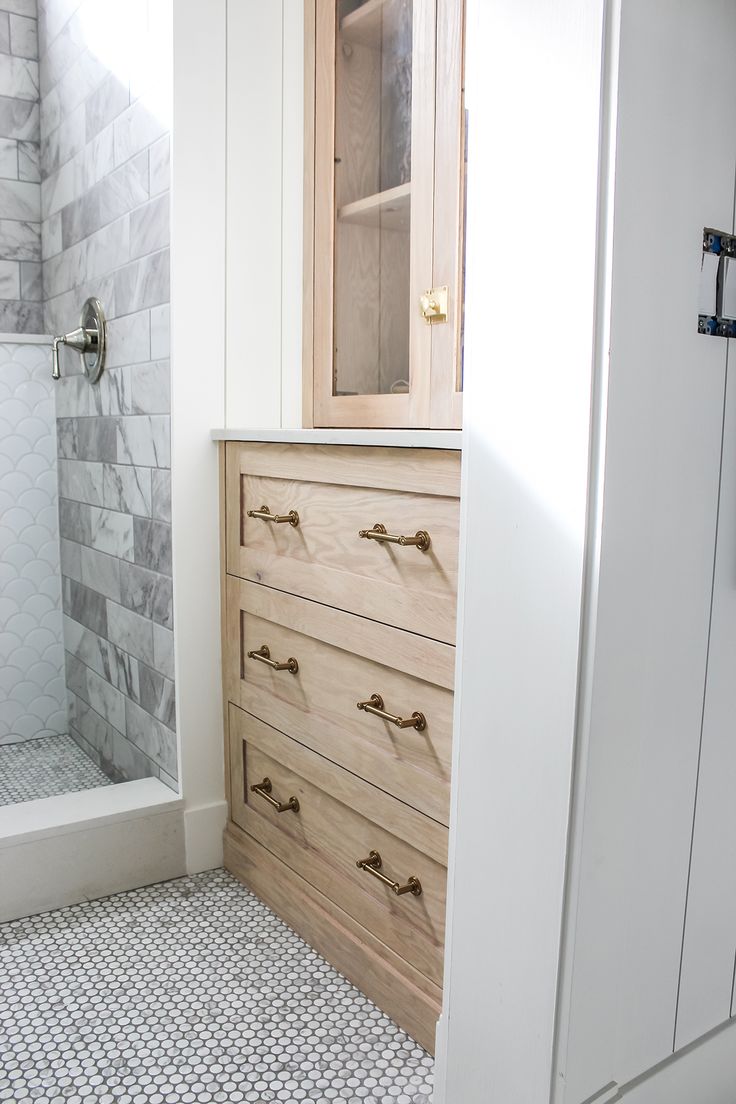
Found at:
<point>33,699</point>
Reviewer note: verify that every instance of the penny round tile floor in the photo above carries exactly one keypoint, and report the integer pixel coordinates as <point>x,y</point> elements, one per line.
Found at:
<point>189,992</point>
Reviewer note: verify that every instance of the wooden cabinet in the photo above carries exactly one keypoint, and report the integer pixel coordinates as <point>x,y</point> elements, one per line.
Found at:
<point>385,213</point>
<point>321,621</point>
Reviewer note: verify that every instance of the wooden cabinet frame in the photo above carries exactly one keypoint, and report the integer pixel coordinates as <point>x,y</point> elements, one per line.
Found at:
<point>436,238</point>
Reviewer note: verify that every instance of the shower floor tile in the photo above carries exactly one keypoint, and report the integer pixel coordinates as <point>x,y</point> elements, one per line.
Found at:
<point>43,768</point>
<point>189,992</point>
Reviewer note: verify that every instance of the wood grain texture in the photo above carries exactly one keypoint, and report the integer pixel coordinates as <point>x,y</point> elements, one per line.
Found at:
<point>340,820</point>
<point>309,200</point>
<point>225,640</point>
<point>398,989</point>
<point>447,262</point>
<point>324,559</point>
<point>342,660</point>
<point>334,323</point>
<point>424,471</point>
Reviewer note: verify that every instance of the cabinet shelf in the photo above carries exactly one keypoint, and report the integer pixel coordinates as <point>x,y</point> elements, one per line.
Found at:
<point>370,23</point>
<point>389,210</point>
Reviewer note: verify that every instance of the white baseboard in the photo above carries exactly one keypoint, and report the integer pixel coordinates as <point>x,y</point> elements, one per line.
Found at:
<point>702,1073</point>
<point>78,847</point>
<point>203,828</point>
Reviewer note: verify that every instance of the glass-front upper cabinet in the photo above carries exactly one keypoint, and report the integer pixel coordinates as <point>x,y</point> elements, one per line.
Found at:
<point>384,260</point>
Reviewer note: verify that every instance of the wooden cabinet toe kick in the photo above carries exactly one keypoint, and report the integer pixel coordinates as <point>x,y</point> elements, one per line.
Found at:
<point>401,991</point>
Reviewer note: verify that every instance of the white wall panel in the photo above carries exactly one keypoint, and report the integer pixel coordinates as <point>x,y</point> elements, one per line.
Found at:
<point>534,100</point>
<point>710,930</point>
<point>635,798</point>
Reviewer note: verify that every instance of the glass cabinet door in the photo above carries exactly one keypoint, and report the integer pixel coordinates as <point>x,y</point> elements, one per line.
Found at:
<point>373,184</point>
<point>388,171</point>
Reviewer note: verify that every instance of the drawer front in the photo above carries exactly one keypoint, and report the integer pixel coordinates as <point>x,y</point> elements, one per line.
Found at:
<point>337,493</point>
<point>342,660</point>
<point>340,820</point>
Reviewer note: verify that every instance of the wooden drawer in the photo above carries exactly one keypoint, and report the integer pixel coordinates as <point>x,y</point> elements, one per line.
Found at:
<point>338,491</point>
<point>343,659</point>
<point>340,820</point>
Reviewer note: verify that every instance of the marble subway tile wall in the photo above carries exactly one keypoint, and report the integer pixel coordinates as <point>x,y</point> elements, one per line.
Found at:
<point>21,291</point>
<point>105,71</point>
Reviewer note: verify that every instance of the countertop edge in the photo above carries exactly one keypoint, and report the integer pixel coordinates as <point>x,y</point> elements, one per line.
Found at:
<point>390,438</point>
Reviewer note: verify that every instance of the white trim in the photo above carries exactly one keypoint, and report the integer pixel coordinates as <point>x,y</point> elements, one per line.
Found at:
<point>198,401</point>
<point>254,211</point>
<point>25,339</point>
<point>524,503</point>
<point>609,115</point>
<point>393,438</point>
<point>203,828</point>
<point>292,208</point>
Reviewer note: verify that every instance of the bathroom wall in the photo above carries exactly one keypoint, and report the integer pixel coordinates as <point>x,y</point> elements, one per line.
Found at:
<point>105,115</point>
<point>21,292</point>
<point>32,695</point>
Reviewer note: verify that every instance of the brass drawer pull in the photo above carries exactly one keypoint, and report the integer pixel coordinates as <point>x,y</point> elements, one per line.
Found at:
<point>372,865</point>
<point>374,705</point>
<point>378,533</point>
<point>263,789</point>
<point>264,514</point>
<point>263,655</point>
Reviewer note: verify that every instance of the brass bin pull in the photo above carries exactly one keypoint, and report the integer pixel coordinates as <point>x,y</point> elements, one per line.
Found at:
<point>372,865</point>
<point>374,705</point>
<point>263,655</point>
<point>420,539</point>
<point>264,514</point>
<point>263,789</point>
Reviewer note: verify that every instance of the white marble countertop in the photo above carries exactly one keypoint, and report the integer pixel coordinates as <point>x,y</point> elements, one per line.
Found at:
<point>394,438</point>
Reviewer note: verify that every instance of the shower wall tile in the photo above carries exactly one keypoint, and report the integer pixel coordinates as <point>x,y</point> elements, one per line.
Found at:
<point>84,605</point>
<point>161,494</point>
<point>151,737</point>
<point>18,317</point>
<point>131,632</point>
<point>31,282</point>
<point>29,161</point>
<point>157,696</point>
<point>101,572</point>
<point>152,545</point>
<point>104,170</point>
<point>8,158</point>
<point>149,226</point>
<point>24,36</point>
<point>147,593</point>
<point>20,189</point>
<point>19,119</point>
<point>117,666</point>
<point>5,32</point>
<point>160,332</point>
<point>20,241</point>
<point>32,695</point>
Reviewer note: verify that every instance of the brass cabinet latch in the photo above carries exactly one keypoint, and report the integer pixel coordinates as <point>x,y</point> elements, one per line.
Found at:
<point>433,303</point>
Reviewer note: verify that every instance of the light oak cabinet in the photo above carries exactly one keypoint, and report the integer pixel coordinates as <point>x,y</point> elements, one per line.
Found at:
<point>338,605</point>
<point>384,213</point>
